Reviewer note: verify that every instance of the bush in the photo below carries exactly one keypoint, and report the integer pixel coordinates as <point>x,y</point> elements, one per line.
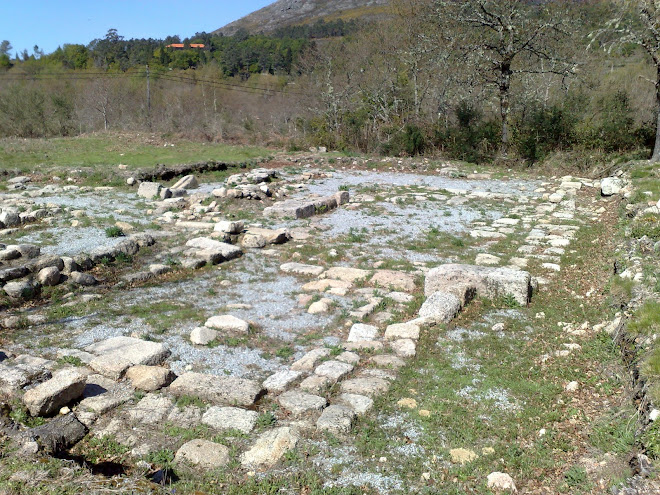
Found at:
<point>114,231</point>
<point>471,138</point>
<point>543,130</point>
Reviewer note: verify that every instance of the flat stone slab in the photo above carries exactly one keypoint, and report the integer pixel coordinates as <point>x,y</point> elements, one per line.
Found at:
<point>276,236</point>
<point>300,402</point>
<point>336,419</point>
<point>215,251</point>
<point>488,282</point>
<point>362,345</point>
<point>327,283</point>
<point>309,361</point>
<point>228,323</point>
<point>394,280</point>
<point>359,403</point>
<point>402,331</point>
<point>221,390</point>
<point>346,274</point>
<point>302,269</point>
<point>203,453</point>
<point>404,347</point>
<point>117,354</point>
<point>290,208</point>
<point>335,370</point>
<point>281,380</point>
<point>360,332</point>
<point>230,418</point>
<point>365,386</point>
<point>388,361</point>
<point>295,208</point>
<point>270,447</point>
<point>48,397</point>
<point>101,404</point>
<point>151,409</point>
<point>315,383</point>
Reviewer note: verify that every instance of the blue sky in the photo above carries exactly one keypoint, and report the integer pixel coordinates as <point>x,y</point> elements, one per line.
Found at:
<point>51,23</point>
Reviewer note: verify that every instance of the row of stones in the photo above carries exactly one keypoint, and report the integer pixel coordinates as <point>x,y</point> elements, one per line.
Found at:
<point>25,280</point>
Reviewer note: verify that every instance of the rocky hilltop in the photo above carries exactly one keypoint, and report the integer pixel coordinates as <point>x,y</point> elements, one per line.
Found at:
<point>289,12</point>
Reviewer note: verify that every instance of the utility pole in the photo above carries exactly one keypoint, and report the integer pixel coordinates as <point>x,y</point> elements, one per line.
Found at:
<point>148,100</point>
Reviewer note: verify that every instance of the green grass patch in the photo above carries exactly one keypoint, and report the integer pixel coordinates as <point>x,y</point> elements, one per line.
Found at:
<point>646,320</point>
<point>97,152</point>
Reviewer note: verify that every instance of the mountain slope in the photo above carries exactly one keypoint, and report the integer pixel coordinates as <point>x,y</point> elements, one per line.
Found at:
<point>289,12</point>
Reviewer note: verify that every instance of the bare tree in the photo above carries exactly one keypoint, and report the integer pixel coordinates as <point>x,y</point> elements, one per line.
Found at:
<point>636,22</point>
<point>98,97</point>
<point>503,39</point>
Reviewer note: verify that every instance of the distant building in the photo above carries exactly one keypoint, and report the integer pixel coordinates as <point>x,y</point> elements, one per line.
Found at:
<point>181,46</point>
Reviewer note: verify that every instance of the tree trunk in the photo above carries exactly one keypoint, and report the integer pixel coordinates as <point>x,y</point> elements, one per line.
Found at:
<point>656,149</point>
<point>655,158</point>
<point>505,85</point>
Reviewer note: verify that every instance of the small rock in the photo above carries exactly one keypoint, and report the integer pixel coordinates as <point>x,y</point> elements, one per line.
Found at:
<point>228,323</point>
<point>462,456</point>
<point>203,335</point>
<point>501,481</point>
<point>407,402</point>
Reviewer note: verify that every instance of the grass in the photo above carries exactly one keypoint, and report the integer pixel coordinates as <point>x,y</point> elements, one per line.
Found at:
<point>646,320</point>
<point>104,449</point>
<point>188,400</point>
<point>103,150</point>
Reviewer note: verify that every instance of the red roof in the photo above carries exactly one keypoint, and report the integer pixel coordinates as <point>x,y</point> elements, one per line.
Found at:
<point>180,45</point>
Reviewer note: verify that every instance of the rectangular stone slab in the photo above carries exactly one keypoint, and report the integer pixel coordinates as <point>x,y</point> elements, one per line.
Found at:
<point>487,282</point>
<point>220,390</point>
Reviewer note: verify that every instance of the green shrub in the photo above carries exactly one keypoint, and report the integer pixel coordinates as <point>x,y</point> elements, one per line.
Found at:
<point>114,231</point>
<point>543,130</point>
<point>648,225</point>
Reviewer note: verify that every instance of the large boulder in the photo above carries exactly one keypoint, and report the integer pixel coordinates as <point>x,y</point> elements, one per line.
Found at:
<point>149,190</point>
<point>49,276</point>
<point>611,185</point>
<point>187,182</point>
<point>60,434</point>
<point>466,281</point>
<point>9,219</point>
<point>22,289</point>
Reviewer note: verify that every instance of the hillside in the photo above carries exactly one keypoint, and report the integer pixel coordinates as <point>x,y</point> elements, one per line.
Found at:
<point>289,12</point>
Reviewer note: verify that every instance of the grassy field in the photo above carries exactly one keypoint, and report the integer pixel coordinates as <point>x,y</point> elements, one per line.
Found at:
<point>98,150</point>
